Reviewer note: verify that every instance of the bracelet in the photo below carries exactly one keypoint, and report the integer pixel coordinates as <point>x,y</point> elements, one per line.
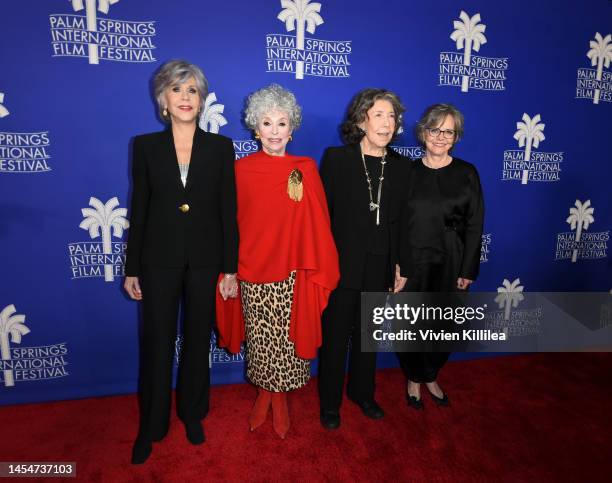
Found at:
<point>229,275</point>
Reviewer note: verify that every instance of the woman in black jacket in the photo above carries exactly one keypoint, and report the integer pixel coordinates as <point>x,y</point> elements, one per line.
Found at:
<point>359,181</point>
<point>183,234</point>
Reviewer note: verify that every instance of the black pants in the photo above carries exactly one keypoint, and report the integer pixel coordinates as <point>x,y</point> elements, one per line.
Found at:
<point>341,323</point>
<point>424,367</point>
<point>162,291</point>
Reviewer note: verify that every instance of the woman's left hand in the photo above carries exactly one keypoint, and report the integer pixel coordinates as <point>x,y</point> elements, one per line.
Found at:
<point>463,283</point>
<point>228,286</point>
<point>399,282</point>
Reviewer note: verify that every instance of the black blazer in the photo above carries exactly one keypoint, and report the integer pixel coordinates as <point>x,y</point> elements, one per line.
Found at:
<point>348,200</point>
<point>160,233</point>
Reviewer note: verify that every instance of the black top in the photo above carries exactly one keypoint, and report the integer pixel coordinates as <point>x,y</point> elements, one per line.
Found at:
<point>204,232</point>
<point>353,224</point>
<point>438,201</point>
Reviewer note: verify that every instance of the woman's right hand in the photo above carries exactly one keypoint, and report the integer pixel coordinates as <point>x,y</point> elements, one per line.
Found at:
<point>132,287</point>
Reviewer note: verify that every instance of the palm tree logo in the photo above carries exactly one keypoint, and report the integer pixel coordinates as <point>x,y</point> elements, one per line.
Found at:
<point>212,118</point>
<point>469,35</point>
<point>92,20</point>
<point>304,15</point>
<point>509,295</point>
<point>581,216</point>
<point>10,325</point>
<point>529,133</point>
<point>600,54</point>
<point>101,218</point>
<point>3,110</point>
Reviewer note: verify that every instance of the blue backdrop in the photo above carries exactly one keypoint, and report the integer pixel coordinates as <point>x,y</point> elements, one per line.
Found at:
<point>533,80</point>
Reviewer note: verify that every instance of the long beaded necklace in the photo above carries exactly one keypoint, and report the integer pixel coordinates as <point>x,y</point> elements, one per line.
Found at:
<point>375,206</point>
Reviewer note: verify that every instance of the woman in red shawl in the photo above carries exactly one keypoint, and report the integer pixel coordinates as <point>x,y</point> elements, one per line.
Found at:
<point>287,259</point>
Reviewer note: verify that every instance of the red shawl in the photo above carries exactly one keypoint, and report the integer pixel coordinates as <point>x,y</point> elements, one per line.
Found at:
<point>279,235</point>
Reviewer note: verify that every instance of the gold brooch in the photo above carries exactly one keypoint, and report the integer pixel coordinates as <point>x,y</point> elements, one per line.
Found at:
<point>295,188</point>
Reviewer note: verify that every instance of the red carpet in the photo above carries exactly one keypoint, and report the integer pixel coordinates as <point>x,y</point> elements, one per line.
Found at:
<point>530,418</point>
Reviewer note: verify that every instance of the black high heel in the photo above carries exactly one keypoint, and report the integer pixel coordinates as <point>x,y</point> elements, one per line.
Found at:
<point>440,401</point>
<point>414,403</point>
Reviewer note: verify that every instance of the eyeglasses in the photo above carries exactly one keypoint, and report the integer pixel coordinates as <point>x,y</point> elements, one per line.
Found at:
<point>435,132</point>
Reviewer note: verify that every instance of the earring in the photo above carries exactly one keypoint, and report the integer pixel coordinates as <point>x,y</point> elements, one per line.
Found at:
<point>165,112</point>
<point>290,138</point>
<point>256,135</point>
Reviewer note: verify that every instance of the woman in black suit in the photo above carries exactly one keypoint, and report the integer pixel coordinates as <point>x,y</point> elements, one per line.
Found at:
<point>441,231</point>
<point>359,184</point>
<point>183,234</point>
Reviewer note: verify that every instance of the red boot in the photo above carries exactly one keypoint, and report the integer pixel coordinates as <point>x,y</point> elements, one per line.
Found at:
<point>280,413</point>
<point>259,413</point>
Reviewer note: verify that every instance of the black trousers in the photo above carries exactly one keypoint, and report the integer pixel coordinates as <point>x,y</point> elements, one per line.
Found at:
<point>341,323</point>
<point>424,367</point>
<point>162,292</point>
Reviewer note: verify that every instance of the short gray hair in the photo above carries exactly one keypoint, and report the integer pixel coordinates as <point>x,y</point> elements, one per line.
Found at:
<point>177,72</point>
<point>434,116</point>
<point>272,98</point>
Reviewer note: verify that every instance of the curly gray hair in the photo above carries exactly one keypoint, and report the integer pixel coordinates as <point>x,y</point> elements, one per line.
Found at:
<point>176,72</point>
<point>272,98</point>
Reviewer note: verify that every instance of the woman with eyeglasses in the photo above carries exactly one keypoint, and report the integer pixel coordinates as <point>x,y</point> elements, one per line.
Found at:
<point>440,233</point>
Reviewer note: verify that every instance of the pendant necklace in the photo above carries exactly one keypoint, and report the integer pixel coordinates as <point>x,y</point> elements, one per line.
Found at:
<point>375,206</point>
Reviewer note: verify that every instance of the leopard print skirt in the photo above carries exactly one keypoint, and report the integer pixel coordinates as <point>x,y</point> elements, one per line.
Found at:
<point>271,360</point>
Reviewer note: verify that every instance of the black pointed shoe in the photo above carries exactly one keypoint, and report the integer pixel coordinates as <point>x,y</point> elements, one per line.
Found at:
<point>440,401</point>
<point>371,409</point>
<point>414,403</point>
<point>195,432</point>
<point>330,419</point>
<point>141,451</point>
